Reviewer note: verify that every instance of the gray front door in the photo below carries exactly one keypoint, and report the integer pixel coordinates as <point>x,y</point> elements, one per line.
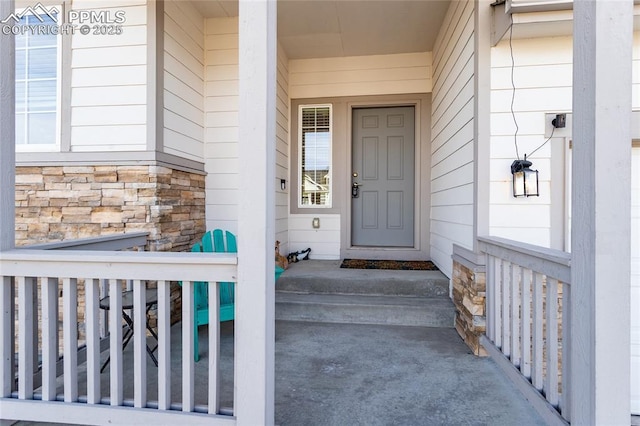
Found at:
<point>382,177</point>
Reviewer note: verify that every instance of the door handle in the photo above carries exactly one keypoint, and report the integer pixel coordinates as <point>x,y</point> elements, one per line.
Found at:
<point>355,189</point>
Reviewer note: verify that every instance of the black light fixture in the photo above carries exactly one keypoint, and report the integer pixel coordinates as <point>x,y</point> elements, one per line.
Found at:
<point>525,180</point>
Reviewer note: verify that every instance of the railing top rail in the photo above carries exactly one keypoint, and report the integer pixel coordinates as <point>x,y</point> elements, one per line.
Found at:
<point>551,262</point>
<point>104,242</point>
<point>170,266</point>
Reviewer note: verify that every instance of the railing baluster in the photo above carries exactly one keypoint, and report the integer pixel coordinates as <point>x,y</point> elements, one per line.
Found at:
<point>25,337</point>
<point>115,343</point>
<point>104,314</point>
<point>188,397</point>
<point>49,337</point>
<point>164,345</point>
<point>92,329</point>
<point>70,337</point>
<point>538,337</point>
<point>551,378</point>
<point>566,351</point>
<point>139,344</point>
<point>514,275</point>
<point>525,322</point>
<point>506,322</point>
<point>496,303</point>
<point>214,348</point>
<point>34,335</point>
<point>7,346</point>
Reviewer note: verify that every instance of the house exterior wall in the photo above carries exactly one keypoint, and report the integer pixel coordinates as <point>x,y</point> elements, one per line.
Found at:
<point>343,82</point>
<point>452,153</point>
<point>221,129</point>
<point>221,122</point>
<point>543,80</point>
<point>282,152</point>
<point>107,110</point>
<point>360,75</point>
<point>183,94</point>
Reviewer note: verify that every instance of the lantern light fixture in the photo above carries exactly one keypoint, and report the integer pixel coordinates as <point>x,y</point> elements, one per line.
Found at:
<point>525,180</point>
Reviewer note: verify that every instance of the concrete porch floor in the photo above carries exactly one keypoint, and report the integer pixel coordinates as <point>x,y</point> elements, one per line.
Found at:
<point>338,374</point>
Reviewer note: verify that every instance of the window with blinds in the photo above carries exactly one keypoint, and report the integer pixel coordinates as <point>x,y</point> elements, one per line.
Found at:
<point>37,87</point>
<point>315,156</point>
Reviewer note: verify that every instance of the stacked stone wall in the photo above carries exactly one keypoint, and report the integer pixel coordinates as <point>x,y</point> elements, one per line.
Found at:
<point>469,299</point>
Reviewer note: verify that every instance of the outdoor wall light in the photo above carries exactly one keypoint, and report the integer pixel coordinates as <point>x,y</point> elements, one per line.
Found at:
<point>283,184</point>
<point>525,180</point>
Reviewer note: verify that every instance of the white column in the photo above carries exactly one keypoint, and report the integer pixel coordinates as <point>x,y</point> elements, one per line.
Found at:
<point>7,199</point>
<point>601,212</point>
<point>7,133</point>
<point>255,295</point>
<point>482,107</point>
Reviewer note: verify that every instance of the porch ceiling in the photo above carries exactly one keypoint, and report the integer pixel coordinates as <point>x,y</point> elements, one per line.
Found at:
<point>333,28</point>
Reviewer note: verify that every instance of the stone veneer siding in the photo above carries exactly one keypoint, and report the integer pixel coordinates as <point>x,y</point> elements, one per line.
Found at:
<point>55,203</point>
<point>469,300</point>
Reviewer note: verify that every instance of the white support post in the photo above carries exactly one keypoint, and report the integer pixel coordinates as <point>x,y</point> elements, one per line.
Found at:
<point>7,134</point>
<point>7,199</point>
<point>255,295</point>
<point>600,238</point>
<point>483,13</point>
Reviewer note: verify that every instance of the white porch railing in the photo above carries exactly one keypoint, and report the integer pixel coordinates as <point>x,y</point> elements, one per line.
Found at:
<point>22,398</point>
<point>528,318</point>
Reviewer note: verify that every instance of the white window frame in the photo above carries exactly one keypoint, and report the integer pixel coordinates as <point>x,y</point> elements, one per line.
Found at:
<point>300,177</point>
<point>50,147</point>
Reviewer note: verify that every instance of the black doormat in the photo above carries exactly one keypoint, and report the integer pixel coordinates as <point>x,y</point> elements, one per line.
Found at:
<point>406,265</point>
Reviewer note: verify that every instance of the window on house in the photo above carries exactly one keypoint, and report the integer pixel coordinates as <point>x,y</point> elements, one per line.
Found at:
<point>314,152</point>
<point>37,84</point>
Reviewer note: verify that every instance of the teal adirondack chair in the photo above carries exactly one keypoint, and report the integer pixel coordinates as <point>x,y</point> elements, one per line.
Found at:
<point>216,241</point>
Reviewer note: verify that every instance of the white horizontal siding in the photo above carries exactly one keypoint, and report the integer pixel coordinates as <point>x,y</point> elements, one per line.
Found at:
<point>221,122</point>
<point>282,151</point>
<point>108,110</point>
<point>543,79</point>
<point>221,130</point>
<point>452,136</point>
<point>361,75</point>
<point>184,80</point>
<point>324,242</point>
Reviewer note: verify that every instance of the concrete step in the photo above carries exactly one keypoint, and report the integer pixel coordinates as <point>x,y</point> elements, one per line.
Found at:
<point>325,277</point>
<point>361,309</point>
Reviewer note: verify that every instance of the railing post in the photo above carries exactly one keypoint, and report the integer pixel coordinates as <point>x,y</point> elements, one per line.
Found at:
<point>255,301</point>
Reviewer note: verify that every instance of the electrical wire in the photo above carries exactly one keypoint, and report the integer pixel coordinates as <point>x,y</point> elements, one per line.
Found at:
<point>513,87</point>
<point>553,129</point>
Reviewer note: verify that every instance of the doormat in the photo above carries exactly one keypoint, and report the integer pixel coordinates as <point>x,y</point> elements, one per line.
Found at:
<point>405,265</point>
